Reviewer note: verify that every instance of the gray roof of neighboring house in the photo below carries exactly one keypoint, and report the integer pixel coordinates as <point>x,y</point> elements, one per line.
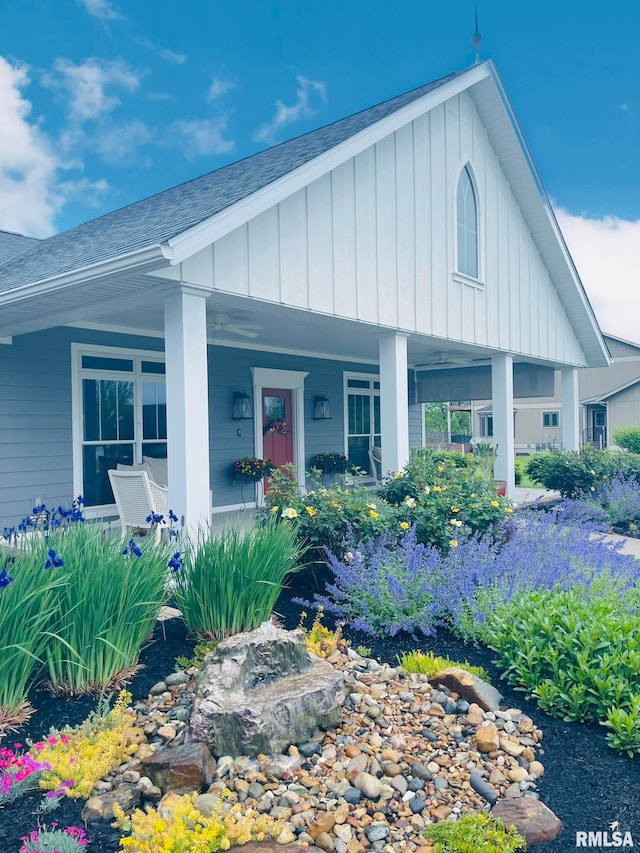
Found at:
<point>12,244</point>
<point>171,212</point>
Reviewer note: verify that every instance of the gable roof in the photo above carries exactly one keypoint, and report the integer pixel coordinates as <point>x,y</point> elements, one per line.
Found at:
<point>598,398</point>
<point>156,219</point>
<point>13,244</point>
<point>167,228</point>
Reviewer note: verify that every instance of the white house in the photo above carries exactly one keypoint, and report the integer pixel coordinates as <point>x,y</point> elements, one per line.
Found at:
<point>340,271</point>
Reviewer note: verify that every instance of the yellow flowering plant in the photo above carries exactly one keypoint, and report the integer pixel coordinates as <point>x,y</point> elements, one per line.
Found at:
<point>81,756</point>
<point>180,828</point>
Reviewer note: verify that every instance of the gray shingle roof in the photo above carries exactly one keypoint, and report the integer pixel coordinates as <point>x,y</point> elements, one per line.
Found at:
<point>12,244</point>
<point>171,212</point>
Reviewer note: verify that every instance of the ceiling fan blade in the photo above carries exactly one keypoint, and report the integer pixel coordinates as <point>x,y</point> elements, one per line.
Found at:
<point>239,330</point>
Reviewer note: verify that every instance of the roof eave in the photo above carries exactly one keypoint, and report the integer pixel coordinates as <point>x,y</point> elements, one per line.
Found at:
<point>149,256</point>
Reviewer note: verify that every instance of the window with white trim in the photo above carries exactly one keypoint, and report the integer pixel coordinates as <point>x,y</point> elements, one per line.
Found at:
<point>467,226</point>
<point>362,408</point>
<point>550,420</point>
<point>486,426</point>
<point>123,412</point>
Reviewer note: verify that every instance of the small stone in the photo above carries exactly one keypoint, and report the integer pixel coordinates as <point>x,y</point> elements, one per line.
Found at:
<point>285,836</point>
<point>440,812</point>
<point>324,822</point>
<point>325,842</point>
<point>421,772</point>
<point>517,774</point>
<point>376,832</point>
<point>167,732</point>
<point>176,678</point>
<point>536,770</point>
<point>207,804</point>
<point>487,738</point>
<point>482,787</point>
<point>352,795</point>
<point>370,786</point>
<point>417,805</point>
<point>158,688</point>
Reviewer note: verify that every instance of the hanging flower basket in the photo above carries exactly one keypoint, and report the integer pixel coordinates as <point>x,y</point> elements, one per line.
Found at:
<point>278,425</point>
<point>251,469</point>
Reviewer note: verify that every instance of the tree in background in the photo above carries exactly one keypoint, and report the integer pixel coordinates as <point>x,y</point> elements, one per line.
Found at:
<point>435,419</point>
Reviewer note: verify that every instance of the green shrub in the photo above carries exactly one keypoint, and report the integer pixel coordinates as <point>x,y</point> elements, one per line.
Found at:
<point>628,438</point>
<point>445,497</point>
<point>323,515</point>
<point>106,607</point>
<point>231,581</point>
<point>570,472</point>
<point>577,651</point>
<point>474,833</point>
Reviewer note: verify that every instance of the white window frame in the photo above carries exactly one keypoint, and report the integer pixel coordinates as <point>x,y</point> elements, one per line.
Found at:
<point>77,420</point>
<point>370,377</point>
<point>457,274</point>
<point>551,412</point>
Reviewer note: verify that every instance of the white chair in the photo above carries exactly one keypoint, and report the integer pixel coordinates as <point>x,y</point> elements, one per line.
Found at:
<point>375,461</point>
<point>137,498</point>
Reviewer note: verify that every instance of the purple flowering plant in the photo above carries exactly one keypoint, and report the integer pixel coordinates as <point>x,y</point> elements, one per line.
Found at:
<point>54,840</point>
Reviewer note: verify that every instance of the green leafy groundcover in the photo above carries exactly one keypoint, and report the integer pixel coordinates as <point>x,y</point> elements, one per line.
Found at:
<point>577,652</point>
<point>474,833</point>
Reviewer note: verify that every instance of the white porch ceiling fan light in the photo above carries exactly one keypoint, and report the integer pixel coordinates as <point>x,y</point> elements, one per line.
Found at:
<point>221,322</point>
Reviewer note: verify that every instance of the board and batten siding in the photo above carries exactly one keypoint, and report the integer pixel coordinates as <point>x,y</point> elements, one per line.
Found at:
<point>374,240</point>
<point>623,410</point>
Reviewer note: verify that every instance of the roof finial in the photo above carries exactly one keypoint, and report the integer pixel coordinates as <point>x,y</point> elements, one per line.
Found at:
<point>477,38</point>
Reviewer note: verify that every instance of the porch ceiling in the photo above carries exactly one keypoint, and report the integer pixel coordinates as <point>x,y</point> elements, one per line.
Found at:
<point>134,304</point>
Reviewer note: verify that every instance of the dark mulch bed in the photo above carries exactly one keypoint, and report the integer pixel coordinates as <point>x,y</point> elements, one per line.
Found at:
<point>586,783</point>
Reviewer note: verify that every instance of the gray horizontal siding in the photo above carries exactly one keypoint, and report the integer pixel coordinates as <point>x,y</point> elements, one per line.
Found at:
<point>35,413</point>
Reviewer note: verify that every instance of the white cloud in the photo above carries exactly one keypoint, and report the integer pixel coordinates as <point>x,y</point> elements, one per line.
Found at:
<point>102,9</point>
<point>218,88</point>
<point>200,137</point>
<point>118,144</point>
<point>307,91</point>
<point>29,195</point>
<point>163,52</point>
<point>606,253</point>
<point>88,87</point>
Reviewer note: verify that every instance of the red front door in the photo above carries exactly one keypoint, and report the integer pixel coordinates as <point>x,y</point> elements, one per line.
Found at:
<point>277,426</point>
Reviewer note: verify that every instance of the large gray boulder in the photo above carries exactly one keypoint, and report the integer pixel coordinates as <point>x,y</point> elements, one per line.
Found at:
<point>261,691</point>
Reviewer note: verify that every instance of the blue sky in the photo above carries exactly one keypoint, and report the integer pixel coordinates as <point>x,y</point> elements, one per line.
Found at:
<point>103,102</point>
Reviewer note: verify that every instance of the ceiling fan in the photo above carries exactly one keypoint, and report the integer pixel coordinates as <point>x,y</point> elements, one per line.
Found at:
<point>221,322</point>
<point>443,358</point>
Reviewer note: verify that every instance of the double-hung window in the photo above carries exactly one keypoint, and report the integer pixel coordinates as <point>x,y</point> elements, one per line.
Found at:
<point>120,415</point>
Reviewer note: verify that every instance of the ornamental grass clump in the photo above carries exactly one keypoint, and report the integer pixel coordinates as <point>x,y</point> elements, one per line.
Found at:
<point>29,601</point>
<point>180,827</point>
<point>231,581</point>
<point>106,608</point>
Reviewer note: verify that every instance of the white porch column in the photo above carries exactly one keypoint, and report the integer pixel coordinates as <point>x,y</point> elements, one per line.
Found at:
<point>570,410</point>
<point>185,332</point>
<point>503,437</point>
<point>394,402</point>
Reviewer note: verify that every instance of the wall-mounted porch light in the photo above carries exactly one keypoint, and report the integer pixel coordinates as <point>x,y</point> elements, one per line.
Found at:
<point>242,408</point>
<point>321,408</point>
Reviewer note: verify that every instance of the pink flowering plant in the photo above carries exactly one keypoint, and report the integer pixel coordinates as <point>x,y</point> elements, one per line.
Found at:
<point>19,773</point>
<point>54,840</point>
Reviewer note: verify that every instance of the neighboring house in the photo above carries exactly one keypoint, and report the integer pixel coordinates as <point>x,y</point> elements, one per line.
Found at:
<point>609,398</point>
<point>348,267</point>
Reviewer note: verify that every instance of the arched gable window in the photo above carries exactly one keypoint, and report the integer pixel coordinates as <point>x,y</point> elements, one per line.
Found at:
<point>467,215</point>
